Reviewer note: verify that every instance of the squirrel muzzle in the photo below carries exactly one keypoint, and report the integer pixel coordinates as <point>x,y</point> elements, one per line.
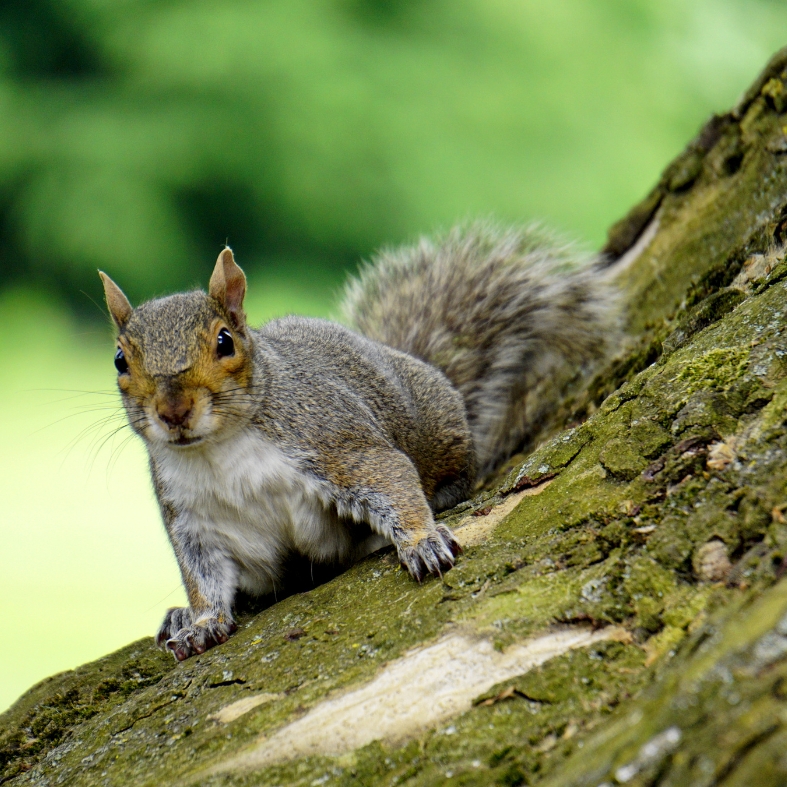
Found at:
<point>175,411</point>
<point>179,413</point>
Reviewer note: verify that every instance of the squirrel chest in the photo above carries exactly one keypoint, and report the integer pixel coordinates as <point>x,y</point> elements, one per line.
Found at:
<point>246,499</point>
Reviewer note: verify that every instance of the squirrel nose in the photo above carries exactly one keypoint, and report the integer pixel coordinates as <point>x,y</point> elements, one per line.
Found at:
<point>174,412</point>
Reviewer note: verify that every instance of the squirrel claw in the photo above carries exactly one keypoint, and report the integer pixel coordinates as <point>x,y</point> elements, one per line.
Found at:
<point>448,538</point>
<point>431,555</point>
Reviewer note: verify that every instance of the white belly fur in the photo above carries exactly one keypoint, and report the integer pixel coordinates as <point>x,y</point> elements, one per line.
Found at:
<point>247,499</point>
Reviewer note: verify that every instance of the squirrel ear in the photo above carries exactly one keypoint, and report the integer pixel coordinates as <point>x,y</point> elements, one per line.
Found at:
<point>228,286</point>
<point>117,302</point>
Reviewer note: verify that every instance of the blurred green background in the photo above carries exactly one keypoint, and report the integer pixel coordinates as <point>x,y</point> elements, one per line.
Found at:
<point>138,135</point>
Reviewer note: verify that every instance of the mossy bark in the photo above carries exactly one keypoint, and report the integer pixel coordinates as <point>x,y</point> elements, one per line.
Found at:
<point>661,512</point>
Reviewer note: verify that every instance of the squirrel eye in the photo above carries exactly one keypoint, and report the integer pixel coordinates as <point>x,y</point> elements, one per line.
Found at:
<point>224,344</point>
<point>121,364</point>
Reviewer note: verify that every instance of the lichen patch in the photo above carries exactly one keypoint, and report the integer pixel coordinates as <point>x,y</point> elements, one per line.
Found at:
<point>237,709</point>
<point>474,529</point>
<point>416,692</point>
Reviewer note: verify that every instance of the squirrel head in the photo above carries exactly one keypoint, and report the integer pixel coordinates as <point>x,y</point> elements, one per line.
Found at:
<point>184,362</point>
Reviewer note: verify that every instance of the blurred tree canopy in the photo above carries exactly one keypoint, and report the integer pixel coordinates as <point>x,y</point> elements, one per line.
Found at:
<point>138,135</point>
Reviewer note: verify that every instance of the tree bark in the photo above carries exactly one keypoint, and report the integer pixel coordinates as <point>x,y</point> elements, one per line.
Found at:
<point>619,614</point>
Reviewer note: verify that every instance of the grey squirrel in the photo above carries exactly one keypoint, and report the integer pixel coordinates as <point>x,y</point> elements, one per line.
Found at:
<point>306,436</point>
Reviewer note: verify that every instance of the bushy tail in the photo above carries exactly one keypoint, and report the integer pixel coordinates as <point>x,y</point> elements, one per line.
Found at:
<point>512,317</point>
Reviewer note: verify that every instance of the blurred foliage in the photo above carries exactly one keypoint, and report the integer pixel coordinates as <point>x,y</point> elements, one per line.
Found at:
<point>138,135</point>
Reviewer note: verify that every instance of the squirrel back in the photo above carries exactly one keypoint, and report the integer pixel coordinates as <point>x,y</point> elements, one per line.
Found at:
<point>512,317</point>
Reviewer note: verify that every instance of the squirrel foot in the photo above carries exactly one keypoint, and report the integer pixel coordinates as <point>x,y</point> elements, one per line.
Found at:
<point>177,618</point>
<point>431,555</point>
<point>184,638</point>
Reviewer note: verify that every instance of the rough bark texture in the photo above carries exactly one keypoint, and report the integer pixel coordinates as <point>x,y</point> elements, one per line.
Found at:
<point>640,552</point>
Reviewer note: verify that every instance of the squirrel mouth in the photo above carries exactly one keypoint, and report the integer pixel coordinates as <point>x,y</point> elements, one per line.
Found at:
<point>183,440</point>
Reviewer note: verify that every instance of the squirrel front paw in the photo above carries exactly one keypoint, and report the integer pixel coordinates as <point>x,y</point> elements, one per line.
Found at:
<point>186,638</point>
<point>433,554</point>
<point>177,618</point>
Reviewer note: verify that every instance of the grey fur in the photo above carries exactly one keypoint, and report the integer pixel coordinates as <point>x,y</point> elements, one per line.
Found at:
<point>510,316</point>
